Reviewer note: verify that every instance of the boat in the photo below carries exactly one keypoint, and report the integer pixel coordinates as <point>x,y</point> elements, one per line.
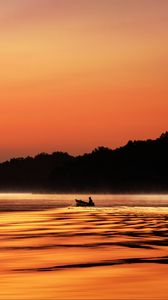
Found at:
<point>84,203</point>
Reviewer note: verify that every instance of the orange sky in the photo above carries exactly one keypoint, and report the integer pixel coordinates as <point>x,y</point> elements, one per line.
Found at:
<point>76,74</point>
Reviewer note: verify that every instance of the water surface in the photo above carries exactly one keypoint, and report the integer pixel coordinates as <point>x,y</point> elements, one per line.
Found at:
<point>50,249</point>
<point>19,201</point>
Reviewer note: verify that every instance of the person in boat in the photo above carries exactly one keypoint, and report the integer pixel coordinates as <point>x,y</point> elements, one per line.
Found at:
<point>91,203</point>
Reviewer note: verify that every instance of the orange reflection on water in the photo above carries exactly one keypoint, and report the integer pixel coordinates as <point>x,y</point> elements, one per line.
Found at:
<point>73,253</point>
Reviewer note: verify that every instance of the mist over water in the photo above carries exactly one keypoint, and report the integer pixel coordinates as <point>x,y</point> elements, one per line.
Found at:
<point>27,201</point>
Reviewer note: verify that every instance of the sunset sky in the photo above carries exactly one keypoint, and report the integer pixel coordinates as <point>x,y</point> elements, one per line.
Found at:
<point>77,74</point>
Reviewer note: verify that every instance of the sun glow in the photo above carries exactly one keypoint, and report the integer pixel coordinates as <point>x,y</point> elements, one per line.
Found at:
<point>94,70</point>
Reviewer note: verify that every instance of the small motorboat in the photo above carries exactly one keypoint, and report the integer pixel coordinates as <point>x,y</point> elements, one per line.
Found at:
<point>84,203</point>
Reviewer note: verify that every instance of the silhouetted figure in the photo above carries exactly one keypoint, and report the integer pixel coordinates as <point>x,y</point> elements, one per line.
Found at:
<point>91,203</point>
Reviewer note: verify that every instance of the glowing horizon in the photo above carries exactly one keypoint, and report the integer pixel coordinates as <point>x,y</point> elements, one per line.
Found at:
<point>80,74</point>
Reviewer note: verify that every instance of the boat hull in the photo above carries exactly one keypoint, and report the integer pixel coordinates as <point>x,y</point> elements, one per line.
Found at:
<point>83,203</point>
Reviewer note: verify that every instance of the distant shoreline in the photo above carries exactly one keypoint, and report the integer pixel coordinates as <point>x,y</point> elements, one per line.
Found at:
<point>139,167</point>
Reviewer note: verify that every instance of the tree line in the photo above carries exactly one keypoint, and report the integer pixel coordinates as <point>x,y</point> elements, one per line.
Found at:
<point>139,166</point>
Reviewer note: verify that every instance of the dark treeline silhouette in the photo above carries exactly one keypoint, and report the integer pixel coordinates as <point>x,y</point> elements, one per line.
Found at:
<point>139,166</point>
